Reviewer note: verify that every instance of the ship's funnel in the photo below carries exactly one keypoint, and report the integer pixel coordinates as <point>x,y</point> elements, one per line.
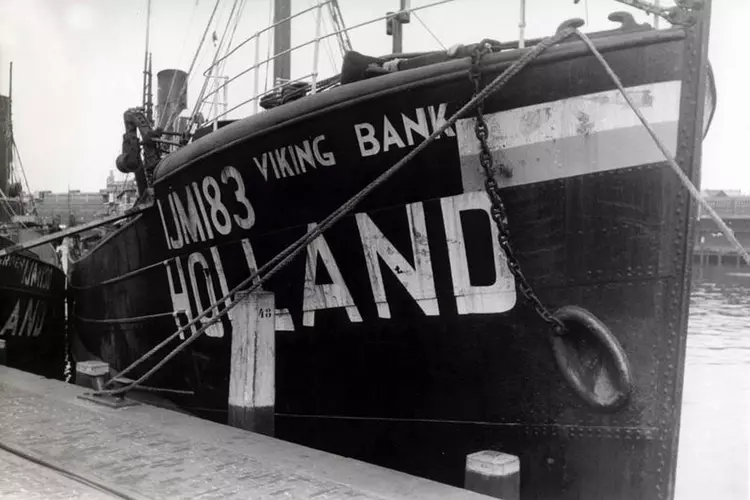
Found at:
<point>171,97</point>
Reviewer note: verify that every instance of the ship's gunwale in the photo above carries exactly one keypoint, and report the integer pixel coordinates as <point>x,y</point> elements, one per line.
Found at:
<point>270,121</point>
<point>350,94</point>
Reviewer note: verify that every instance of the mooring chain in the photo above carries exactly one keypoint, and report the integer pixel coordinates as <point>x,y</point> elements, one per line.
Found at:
<point>499,214</point>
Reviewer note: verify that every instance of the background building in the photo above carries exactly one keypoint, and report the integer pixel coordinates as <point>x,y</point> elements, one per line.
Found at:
<point>75,207</point>
<point>734,209</point>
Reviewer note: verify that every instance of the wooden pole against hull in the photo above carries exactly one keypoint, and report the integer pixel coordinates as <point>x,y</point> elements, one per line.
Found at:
<point>252,380</point>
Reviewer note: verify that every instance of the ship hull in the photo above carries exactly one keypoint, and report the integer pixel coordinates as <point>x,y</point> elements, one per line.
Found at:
<point>32,314</point>
<point>401,338</point>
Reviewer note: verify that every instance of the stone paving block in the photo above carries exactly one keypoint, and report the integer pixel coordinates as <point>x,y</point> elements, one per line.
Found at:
<point>24,480</point>
<point>149,452</point>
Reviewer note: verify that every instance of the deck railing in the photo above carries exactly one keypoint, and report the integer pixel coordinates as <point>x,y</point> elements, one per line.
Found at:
<point>213,72</point>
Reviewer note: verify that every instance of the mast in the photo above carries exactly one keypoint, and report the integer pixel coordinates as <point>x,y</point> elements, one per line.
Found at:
<point>282,41</point>
<point>6,135</point>
<point>394,25</point>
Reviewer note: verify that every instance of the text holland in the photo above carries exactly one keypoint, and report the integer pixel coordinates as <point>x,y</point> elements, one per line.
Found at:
<point>200,275</point>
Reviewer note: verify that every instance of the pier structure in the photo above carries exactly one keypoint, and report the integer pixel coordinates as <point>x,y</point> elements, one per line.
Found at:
<point>56,444</point>
<point>711,246</point>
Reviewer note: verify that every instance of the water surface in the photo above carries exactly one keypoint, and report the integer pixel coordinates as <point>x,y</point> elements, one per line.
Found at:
<point>714,451</point>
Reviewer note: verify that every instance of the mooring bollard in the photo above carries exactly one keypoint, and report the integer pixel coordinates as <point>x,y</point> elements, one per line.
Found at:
<point>252,380</point>
<point>92,374</point>
<point>3,356</point>
<point>494,474</point>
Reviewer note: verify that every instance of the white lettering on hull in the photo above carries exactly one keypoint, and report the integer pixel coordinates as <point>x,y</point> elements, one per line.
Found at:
<point>418,279</point>
<point>324,296</point>
<point>292,160</point>
<point>32,323</point>
<point>203,214</point>
<point>32,273</point>
<point>207,278</point>
<point>497,297</point>
<point>392,136</point>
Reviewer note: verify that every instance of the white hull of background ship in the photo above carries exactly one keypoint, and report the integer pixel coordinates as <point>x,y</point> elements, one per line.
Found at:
<point>520,287</point>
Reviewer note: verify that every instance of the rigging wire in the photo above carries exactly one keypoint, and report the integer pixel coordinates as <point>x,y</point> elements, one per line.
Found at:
<point>199,103</point>
<point>240,10</point>
<point>327,41</point>
<point>197,53</point>
<point>428,29</point>
<point>586,9</point>
<point>189,30</point>
<point>23,172</point>
<point>222,64</point>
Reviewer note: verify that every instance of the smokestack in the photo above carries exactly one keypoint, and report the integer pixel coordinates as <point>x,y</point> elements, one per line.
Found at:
<point>171,97</point>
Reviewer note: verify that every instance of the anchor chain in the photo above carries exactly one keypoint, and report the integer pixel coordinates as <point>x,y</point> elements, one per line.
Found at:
<point>499,214</point>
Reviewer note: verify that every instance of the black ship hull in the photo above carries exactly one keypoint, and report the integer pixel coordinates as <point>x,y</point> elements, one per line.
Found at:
<point>32,313</point>
<point>401,338</point>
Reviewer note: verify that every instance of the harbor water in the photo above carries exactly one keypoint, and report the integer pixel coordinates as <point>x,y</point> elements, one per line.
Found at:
<point>714,448</point>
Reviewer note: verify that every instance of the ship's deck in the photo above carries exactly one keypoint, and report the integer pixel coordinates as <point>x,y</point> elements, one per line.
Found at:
<point>56,445</point>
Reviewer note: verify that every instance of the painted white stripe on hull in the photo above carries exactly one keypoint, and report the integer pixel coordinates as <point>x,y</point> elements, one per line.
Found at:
<point>573,156</point>
<point>575,136</point>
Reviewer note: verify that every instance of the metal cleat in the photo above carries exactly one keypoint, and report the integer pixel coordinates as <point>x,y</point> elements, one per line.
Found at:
<point>108,401</point>
<point>626,20</point>
<point>576,23</point>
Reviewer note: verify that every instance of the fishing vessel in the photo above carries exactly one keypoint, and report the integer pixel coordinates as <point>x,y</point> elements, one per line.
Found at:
<point>514,277</point>
<point>32,284</point>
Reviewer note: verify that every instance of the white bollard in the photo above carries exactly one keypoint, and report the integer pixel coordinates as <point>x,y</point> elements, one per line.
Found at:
<point>494,474</point>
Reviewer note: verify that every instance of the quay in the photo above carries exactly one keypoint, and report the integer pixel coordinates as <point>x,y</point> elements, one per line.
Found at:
<point>55,444</point>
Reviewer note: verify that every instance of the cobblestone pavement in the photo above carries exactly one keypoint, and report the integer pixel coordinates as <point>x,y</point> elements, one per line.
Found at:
<point>148,452</point>
<point>24,480</point>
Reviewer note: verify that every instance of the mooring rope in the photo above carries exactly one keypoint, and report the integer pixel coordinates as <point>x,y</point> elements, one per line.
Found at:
<point>256,279</point>
<point>129,319</point>
<point>667,155</point>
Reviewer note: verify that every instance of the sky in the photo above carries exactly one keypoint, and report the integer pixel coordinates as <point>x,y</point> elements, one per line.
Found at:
<point>77,66</point>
